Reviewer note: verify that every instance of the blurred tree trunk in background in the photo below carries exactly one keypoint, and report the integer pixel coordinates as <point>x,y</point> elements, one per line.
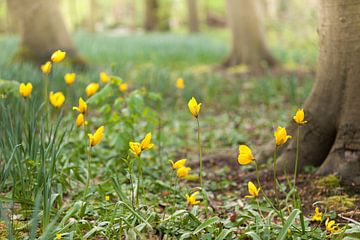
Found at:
<point>42,30</point>
<point>193,20</point>
<point>247,35</point>
<point>92,16</point>
<point>331,139</point>
<point>151,15</point>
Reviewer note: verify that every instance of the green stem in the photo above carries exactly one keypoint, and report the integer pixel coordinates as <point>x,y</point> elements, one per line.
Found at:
<point>88,172</point>
<point>200,152</point>
<point>174,193</point>
<point>261,189</point>
<point>139,179</point>
<point>275,179</point>
<point>297,154</point>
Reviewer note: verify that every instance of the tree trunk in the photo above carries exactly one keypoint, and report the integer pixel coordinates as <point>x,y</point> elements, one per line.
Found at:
<point>247,35</point>
<point>92,16</point>
<point>42,30</point>
<point>193,21</point>
<point>151,15</point>
<point>331,139</point>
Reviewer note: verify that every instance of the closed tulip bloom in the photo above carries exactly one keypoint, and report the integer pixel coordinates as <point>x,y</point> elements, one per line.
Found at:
<point>180,83</point>
<point>123,87</point>
<point>194,107</point>
<point>245,155</point>
<point>58,56</point>
<point>254,192</point>
<point>281,136</point>
<point>70,78</point>
<point>80,120</point>
<point>91,89</point>
<point>56,99</point>
<point>135,148</point>
<point>146,142</point>
<point>25,90</point>
<point>191,200</point>
<point>46,68</point>
<point>104,77</point>
<point>82,106</point>
<point>183,172</point>
<point>317,216</point>
<point>58,236</point>
<point>96,138</point>
<point>331,227</point>
<point>299,117</point>
<point>178,164</point>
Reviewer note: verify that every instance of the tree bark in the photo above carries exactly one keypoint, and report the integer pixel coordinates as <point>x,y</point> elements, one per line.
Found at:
<point>247,35</point>
<point>193,20</point>
<point>151,15</point>
<point>42,30</point>
<point>331,139</point>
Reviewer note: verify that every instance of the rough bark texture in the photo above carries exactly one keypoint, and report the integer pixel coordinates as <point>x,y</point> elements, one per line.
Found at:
<point>248,42</point>
<point>151,15</point>
<point>331,139</point>
<point>42,30</point>
<point>193,20</point>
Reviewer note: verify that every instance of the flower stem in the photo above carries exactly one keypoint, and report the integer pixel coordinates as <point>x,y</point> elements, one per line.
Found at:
<point>275,179</point>
<point>200,152</point>
<point>297,154</point>
<point>88,172</point>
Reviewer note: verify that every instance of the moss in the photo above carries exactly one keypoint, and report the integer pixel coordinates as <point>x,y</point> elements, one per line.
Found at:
<point>330,181</point>
<point>340,202</point>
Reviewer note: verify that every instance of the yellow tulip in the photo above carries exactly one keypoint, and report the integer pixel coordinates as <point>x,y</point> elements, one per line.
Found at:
<point>91,89</point>
<point>70,78</point>
<point>191,200</point>
<point>254,192</point>
<point>178,164</point>
<point>194,107</point>
<point>58,56</point>
<point>58,236</point>
<point>82,106</point>
<point>299,117</point>
<point>331,227</point>
<point>104,77</point>
<point>46,68</point>
<point>281,136</point>
<point>135,148</point>
<point>25,90</point>
<point>80,120</point>
<point>107,198</point>
<point>245,155</point>
<point>146,142</point>
<point>183,172</point>
<point>317,216</point>
<point>57,99</point>
<point>180,83</point>
<point>96,138</point>
<point>123,87</point>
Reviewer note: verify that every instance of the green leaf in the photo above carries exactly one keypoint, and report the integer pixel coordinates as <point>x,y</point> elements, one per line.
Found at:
<point>253,235</point>
<point>223,234</point>
<point>206,224</point>
<point>284,231</point>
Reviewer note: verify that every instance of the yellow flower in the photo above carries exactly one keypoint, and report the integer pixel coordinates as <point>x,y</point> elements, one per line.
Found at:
<point>107,198</point>
<point>25,90</point>
<point>58,236</point>
<point>146,142</point>
<point>331,227</point>
<point>299,117</point>
<point>183,172</point>
<point>58,56</point>
<point>180,83</point>
<point>317,216</point>
<point>191,200</point>
<point>96,138</point>
<point>46,68</point>
<point>281,136</point>
<point>194,107</point>
<point>135,148</point>
<point>82,106</point>
<point>80,120</point>
<point>57,99</point>
<point>178,164</point>
<point>70,78</point>
<point>104,77</point>
<point>254,192</point>
<point>245,155</point>
<point>123,87</point>
<point>91,89</point>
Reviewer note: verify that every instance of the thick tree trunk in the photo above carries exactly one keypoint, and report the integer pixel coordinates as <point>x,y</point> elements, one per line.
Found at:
<point>92,16</point>
<point>331,139</point>
<point>151,15</point>
<point>193,20</point>
<point>247,35</point>
<point>42,30</point>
